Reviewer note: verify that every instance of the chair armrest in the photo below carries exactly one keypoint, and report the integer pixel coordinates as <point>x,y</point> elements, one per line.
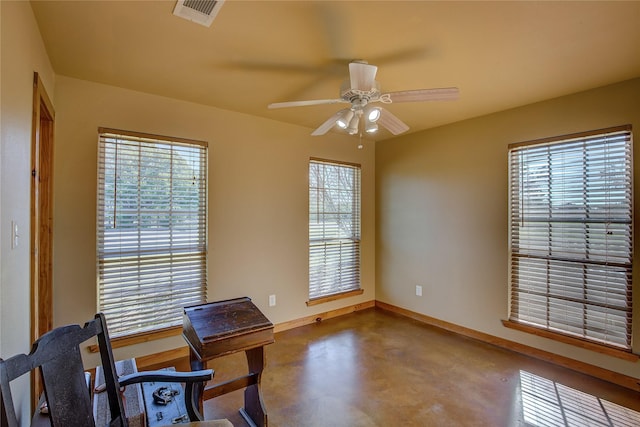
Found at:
<point>166,377</point>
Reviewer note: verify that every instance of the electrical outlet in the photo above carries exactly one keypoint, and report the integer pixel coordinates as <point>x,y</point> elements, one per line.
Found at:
<point>418,290</point>
<point>272,300</point>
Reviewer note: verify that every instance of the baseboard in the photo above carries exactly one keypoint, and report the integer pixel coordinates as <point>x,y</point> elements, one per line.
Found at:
<point>566,362</point>
<point>169,357</point>
<point>322,316</point>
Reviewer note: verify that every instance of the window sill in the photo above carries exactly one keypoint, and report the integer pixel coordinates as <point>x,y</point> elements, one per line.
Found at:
<point>127,340</point>
<point>603,349</point>
<point>334,297</point>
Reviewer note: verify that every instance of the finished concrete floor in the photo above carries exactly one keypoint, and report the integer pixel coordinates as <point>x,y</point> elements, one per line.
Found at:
<point>375,368</point>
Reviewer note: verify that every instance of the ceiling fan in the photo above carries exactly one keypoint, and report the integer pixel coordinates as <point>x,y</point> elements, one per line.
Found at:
<point>361,90</point>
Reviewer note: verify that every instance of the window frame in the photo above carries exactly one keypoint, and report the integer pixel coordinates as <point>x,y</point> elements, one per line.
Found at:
<point>354,285</point>
<point>625,350</point>
<point>178,249</point>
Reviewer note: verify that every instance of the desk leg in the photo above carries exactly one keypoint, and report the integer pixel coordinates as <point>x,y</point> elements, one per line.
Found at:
<point>198,389</point>
<point>253,404</point>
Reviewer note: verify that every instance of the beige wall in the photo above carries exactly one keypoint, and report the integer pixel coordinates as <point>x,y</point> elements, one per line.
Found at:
<point>442,212</point>
<point>22,53</point>
<point>258,200</point>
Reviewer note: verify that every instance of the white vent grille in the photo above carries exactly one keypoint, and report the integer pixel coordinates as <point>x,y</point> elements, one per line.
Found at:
<point>199,11</point>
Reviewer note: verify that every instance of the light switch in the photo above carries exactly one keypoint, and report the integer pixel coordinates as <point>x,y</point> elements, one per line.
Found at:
<point>14,235</point>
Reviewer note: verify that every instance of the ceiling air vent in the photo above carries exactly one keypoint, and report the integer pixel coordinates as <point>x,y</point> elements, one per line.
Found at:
<point>199,11</point>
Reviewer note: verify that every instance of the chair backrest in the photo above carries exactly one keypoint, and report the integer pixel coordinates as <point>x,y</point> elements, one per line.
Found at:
<point>58,357</point>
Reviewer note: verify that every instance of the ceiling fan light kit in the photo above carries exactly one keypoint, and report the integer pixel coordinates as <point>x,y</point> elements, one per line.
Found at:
<point>360,90</point>
<point>371,127</point>
<point>372,114</point>
<point>345,119</point>
<point>354,124</point>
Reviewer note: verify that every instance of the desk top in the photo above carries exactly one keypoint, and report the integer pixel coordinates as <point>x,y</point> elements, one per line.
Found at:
<point>237,322</point>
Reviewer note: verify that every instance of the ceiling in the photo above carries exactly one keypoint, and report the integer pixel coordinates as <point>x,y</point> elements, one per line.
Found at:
<point>499,54</point>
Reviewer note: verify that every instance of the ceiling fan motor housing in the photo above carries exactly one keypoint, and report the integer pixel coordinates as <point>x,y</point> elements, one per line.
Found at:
<point>359,98</point>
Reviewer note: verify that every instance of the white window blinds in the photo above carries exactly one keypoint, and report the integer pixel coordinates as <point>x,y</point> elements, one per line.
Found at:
<point>151,229</point>
<point>334,228</point>
<point>571,235</point>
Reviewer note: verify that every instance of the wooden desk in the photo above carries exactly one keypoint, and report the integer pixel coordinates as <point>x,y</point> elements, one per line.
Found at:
<point>224,327</point>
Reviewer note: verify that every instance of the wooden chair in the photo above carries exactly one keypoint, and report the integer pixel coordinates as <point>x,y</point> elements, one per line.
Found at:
<point>57,356</point>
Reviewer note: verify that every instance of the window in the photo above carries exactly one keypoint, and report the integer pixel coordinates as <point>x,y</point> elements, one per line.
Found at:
<point>570,235</point>
<point>334,228</point>
<point>151,229</point>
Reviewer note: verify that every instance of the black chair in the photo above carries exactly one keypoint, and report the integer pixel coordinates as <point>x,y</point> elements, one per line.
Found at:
<point>57,355</point>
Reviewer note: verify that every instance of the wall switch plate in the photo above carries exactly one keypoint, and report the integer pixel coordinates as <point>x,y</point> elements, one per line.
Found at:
<point>14,235</point>
<point>272,300</point>
<point>418,290</point>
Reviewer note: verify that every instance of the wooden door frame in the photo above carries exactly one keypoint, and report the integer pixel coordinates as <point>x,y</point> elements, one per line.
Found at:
<point>41,227</point>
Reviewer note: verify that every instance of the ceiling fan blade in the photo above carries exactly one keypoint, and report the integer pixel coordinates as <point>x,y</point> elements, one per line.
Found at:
<point>326,126</point>
<point>276,67</point>
<point>440,94</point>
<point>363,76</point>
<point>407,54</point>
<point>335,26</point>
<point>305,103</point>
<point>391,122</point>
